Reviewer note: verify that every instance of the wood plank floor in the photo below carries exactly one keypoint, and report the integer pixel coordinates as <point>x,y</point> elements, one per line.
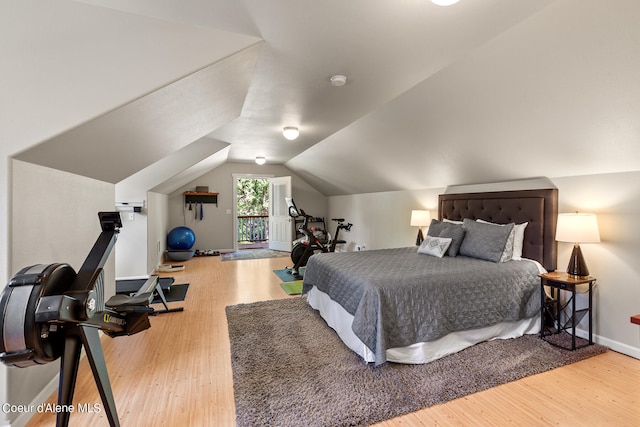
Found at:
<point>178,372</point>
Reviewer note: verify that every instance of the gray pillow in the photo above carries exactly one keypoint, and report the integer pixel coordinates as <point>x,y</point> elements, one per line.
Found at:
<point>484,241</point>
<point>450,230</point>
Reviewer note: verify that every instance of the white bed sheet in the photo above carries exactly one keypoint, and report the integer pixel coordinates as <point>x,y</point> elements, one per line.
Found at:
<point>340,320</point>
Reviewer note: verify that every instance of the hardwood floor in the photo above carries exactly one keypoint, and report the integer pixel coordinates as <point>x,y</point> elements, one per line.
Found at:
<point>178,372</point>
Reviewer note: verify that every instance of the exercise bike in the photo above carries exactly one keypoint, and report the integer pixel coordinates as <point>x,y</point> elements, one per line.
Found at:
<point>313,241</point>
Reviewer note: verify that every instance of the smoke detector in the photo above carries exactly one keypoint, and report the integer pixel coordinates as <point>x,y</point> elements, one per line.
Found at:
<point>338,80</point>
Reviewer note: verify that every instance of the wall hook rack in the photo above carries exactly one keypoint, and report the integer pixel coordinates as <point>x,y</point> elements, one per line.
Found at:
<point>200,197</point>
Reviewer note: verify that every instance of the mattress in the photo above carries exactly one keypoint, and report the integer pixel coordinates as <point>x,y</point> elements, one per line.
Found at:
<point>395,299</point>
<point>423,352</point>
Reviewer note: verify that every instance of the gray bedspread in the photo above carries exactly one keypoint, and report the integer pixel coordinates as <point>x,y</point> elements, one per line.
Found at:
<point>399,297</point>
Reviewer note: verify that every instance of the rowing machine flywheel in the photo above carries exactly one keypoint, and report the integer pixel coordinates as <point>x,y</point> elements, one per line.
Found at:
<point>23,341</point>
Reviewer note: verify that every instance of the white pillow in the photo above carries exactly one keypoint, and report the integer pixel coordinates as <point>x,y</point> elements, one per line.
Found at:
<point>435,246</point>
<point>518,240</point>
<point>515,243</point>
<point>451,221</point>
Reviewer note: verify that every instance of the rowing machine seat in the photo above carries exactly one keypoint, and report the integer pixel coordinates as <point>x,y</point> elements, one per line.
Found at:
<point>121,302</point>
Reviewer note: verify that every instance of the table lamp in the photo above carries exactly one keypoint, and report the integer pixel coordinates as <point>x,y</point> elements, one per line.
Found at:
<point>577,228</point>
<point>420,218</point>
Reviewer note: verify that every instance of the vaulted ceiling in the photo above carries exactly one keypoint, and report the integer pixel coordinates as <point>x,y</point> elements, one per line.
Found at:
<point>481,91</point>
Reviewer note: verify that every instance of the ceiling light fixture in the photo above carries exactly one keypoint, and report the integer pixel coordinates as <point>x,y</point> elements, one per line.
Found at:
<point>290,132</point>
<point>338,80</point>
<point>260,160</point>
<point>444,2</point>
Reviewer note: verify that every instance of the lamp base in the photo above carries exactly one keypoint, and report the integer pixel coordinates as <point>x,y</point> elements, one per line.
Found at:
<point>577,265</point>
<point>420,237</point>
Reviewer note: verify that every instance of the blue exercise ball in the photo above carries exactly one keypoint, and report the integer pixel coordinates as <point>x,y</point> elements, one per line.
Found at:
<point>181,238</point>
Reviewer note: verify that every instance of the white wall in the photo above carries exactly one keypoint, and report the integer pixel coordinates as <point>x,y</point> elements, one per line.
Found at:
<point>157,226</point>
<point>381,220</point>
<point>615,198</point>
<point>216,230</point>
<point>55,219</point>
<point>131,259</point>
<point>5,258</point>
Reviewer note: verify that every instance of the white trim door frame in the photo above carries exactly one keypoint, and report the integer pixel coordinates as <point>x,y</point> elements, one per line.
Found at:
<point>237,176</point>
<point>280,229</point>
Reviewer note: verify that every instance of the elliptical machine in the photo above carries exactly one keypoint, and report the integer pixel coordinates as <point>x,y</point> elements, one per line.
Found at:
<point>312,243</point>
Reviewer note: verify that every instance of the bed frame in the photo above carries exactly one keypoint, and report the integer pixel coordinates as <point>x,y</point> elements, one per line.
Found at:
<point>537,207</point>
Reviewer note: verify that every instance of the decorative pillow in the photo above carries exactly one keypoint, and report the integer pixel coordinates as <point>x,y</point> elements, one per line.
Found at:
<point>447,229</point>
<point>518,241</point>
<point>451,221</point>
<point>434,246</point>
<point>513,248</point>
<point>456,234</point>
<point>507,253</point>
<point>484,241</point>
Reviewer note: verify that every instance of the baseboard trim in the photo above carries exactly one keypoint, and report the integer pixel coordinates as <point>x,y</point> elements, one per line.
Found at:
<point>613,345</point>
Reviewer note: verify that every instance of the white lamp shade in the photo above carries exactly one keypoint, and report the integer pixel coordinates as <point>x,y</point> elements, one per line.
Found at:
<point>260,160</point>
<point>420,218</point>
<point>577,228</point>
<point>290,132</point>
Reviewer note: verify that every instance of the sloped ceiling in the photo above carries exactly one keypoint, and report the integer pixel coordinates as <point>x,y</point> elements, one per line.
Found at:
<point>102,93</point>
<point>557,95</point>
<point>194,171</point>
<point>120,143</point>
<point>478,92</point>
<point>164,175</point>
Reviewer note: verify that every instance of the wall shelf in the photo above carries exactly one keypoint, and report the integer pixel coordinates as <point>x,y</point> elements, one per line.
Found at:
<point>130,206</point>
<point>200,197</point>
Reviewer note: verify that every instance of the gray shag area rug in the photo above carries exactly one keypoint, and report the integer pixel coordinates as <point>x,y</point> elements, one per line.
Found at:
<point>291,369</point>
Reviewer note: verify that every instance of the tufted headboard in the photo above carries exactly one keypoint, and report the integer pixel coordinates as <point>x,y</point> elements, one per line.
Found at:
<point>537,207</point>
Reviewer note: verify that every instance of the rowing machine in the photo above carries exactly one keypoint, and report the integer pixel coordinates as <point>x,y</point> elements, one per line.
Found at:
<point>50,312</point>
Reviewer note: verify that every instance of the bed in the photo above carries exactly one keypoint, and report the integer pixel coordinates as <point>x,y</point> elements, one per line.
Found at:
<point>399,305</point>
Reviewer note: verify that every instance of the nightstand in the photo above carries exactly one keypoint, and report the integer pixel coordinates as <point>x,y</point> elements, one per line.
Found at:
<point>554,308</point>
